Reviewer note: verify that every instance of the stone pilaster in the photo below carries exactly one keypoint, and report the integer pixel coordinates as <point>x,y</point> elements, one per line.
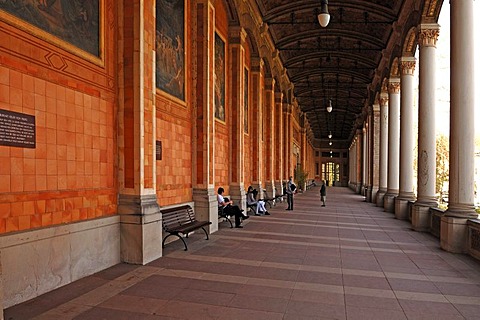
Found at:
<point>237,65</point>
<point>454,229</point>
<point>427,36</point>
<point>407,68</point>
<point>280,145</point>
<point>393,144</point>
<point>204,195</point>
<point>288,139</point>
<point>269,133</point>
<point>257,123</point>
<point>383,162</point>
<point>140,218</point>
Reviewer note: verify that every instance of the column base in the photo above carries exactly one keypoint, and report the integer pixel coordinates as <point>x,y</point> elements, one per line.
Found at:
<point>389,202</point>
<point>358,188</point>
<point>368,194</point>
<point>454,234</point>
<point>421,216</point>
<point>140,229</point>
<point>402,208</point>
<point>239,195</point>
<point>278,189</point>
<point>270,189</point>
<point>374,195</point>
<point>206,207</point>
<point>380,198</point>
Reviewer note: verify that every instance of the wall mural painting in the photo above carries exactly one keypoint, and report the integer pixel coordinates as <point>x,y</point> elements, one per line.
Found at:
<point>169,43</point>
<point>74,21</point>
<point>245,101</point>
<point>219,78</point>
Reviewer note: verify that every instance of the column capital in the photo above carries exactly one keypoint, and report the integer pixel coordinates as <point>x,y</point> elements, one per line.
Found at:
<point>394,85</point>
<point>278,97</point>
<point>257,64</point>
<point>269,84</point>
<point>407,66</point>
<point>237,35</point>
<point>428,35</point>
<point>376,108</point>
<point>383,99</point>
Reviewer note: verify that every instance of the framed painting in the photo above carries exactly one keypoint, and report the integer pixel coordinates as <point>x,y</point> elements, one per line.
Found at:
<point>70,24</point>
<point>219,78</point>
<point>170,49</point>
<point>245,100</point>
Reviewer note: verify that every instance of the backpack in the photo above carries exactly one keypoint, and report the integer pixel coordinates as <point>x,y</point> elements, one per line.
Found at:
<point>293,187</point>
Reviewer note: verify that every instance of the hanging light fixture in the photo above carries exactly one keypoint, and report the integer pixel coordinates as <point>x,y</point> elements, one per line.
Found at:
<point>330,143</point>
<point>329,106</point>
<point>330,135</point>
<point>324,16</point>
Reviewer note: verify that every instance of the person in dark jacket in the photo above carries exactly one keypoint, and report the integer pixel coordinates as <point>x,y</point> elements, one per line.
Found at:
<point>323,193</point>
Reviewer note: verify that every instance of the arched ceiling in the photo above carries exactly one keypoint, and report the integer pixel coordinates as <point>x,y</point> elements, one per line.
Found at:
<point>345,62</point>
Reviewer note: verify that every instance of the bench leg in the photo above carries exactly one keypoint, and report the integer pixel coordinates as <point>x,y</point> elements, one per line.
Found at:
<point>205,232</point>
<point>227,219</point>
<point>181,238</point>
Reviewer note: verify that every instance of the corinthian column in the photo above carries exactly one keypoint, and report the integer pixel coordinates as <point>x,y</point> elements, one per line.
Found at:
<point>393,144</point>
<point>453,235</point>
<point>407,67</point>
<point>383,163</point>
<point>427,38</point>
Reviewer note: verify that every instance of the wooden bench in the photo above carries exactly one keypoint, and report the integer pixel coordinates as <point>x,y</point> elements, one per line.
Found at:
<point>222,215</point>
<point>181,220</point>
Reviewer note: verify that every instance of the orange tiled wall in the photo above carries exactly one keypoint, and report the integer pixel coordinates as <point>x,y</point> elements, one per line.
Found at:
<point>222,163</point>
<point>174,171</point>
<point>70,175</point>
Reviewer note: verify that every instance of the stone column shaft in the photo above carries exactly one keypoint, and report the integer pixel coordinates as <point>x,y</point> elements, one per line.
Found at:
<point>393,144</point>
<point>383,163</point>
<point>426,129</point>
<point>453,235</point>
<point>375,152</point>
<point>364,158</point>
<point>407,68</point>
<point>359,165</point>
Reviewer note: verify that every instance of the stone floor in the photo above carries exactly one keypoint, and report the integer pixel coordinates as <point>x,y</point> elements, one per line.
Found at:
<point>348,260</point>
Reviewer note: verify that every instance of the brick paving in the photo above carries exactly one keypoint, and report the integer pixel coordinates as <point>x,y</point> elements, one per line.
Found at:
<point>348,260</point>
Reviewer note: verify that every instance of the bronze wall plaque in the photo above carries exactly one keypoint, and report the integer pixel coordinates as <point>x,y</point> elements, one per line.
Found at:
<point>17,129</point>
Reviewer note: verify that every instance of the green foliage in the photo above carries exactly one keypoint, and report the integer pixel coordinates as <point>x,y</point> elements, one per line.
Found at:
<point>442,162</point>
<point>300,177</point>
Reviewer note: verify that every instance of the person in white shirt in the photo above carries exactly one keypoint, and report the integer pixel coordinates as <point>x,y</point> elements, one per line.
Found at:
<point>230,209</point>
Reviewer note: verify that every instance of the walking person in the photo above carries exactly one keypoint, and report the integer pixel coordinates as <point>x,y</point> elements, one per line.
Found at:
<point>290,190</point>
<point>323,193</point>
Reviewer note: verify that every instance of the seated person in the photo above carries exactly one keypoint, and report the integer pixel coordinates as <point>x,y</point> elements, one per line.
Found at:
<point>251,200</point>
<point>230,209</point>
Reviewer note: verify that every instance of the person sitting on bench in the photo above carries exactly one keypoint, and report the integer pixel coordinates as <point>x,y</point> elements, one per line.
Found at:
<point>230,209</point>
<point>252,200</point>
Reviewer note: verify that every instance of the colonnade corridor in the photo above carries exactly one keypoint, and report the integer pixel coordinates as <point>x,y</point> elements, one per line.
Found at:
<point>348,260</point>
